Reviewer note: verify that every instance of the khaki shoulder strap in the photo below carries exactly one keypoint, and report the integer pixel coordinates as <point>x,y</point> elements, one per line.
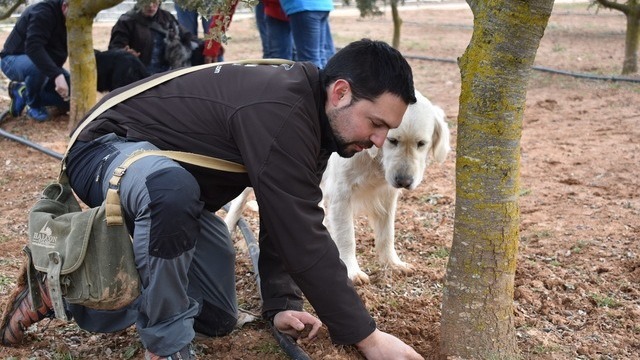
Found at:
<point>112,201</point>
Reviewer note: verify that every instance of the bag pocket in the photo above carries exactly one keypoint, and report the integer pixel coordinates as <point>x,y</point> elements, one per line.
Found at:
<point>87,261</point>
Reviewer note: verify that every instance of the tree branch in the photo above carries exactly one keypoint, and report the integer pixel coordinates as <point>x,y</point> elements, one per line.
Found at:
<point>614,5</point>
<point>12,9</point>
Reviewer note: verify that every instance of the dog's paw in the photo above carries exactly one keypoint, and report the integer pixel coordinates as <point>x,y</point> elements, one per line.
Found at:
<point>252,205</point>
<point>401,267</point>
<point>359,278</point>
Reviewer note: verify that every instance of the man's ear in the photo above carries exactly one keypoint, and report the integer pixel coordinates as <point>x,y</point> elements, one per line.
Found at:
<point>340,93</point>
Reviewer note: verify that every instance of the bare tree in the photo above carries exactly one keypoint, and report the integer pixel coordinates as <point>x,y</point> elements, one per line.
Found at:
<point>631,9</point>
<point>397,24</point>
<point>477,309</point>
<point>82,62</point>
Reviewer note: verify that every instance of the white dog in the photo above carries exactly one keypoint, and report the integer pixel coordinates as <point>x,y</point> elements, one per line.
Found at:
<point>370,182</point>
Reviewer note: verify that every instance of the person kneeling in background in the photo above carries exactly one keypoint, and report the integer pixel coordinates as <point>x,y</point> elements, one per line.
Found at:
<point>32,59</point>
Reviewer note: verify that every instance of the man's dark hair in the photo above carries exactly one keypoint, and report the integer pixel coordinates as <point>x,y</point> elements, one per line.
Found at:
<point>372,68</point>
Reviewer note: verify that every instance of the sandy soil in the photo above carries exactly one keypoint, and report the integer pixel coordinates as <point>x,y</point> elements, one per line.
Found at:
<point>577,290</point>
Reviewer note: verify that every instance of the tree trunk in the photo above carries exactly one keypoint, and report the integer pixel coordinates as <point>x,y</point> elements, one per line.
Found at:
<point>630,9</point>
<point>477,310</point>
<point>82,62</point>
<point>397,24</point>
<point>630,64</point>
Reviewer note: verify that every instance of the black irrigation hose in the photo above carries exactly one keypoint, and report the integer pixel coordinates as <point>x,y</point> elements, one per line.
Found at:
<point>286,342</point>
<point>24,141</point>
<point>541,68</point>
<point>587,76</point>
<point>289,345</point>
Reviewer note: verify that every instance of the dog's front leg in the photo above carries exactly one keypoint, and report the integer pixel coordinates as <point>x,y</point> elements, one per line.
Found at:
<point>236,207</point>
<point>340,223</point>
<point>383,223</point>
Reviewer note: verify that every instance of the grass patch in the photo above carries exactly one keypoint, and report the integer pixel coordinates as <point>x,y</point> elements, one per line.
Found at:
<point>5,281</point>
<point>440,253</point>
<point>267,347</point>
<point>579,246</point>
<point>62,356</point>
<point>604,301</point>
<point>4,239</point>
<point>542,349</point>
<point>130,352</point>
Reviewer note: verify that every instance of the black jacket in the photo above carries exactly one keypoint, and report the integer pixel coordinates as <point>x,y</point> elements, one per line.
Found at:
<point>41,34</point>
<point>272,120</point>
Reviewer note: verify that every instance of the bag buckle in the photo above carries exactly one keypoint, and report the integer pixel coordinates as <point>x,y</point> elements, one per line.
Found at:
<point>55,290</point>
<point>119,171</point>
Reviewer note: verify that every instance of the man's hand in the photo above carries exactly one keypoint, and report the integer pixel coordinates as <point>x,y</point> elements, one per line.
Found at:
<point>294,323</point>
<point>380,345</point>
<point>62,88</point>
<point>131,51</point>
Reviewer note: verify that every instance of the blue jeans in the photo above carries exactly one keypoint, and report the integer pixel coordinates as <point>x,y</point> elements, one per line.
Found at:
<point>40,90</point>
<point>312,36</point>
<point>279,39</point>
<point>189,20</point>
<point>262,28</point>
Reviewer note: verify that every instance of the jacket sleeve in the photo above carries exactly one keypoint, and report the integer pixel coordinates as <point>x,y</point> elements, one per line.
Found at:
<point>120,36</point>
<point>37,37</point>
<point>129,32</point>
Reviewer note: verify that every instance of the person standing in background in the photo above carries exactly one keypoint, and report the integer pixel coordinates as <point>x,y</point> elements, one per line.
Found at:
<point>279,37</point>
<point>32,59</point>
<point>262,26</point>
<point>309,21</point>
<point>189,20</point>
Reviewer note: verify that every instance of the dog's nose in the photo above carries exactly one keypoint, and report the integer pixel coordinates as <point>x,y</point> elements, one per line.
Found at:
<point>403,181</point>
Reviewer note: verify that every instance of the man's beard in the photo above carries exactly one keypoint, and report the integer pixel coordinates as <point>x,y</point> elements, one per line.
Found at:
<point>345,148</point>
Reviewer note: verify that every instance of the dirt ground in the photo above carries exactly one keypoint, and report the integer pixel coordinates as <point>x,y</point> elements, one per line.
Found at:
<point>577,285</point>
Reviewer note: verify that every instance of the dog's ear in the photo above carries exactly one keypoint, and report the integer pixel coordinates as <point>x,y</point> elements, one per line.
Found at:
<point>440,141</point>
<point>372,151</point>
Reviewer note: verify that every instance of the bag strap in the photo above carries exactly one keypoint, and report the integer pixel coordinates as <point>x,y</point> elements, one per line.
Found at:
<point>112,202</point>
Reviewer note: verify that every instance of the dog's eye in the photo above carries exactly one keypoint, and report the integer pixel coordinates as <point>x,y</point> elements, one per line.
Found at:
<point>421,143</point>
<point>392,141</point>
